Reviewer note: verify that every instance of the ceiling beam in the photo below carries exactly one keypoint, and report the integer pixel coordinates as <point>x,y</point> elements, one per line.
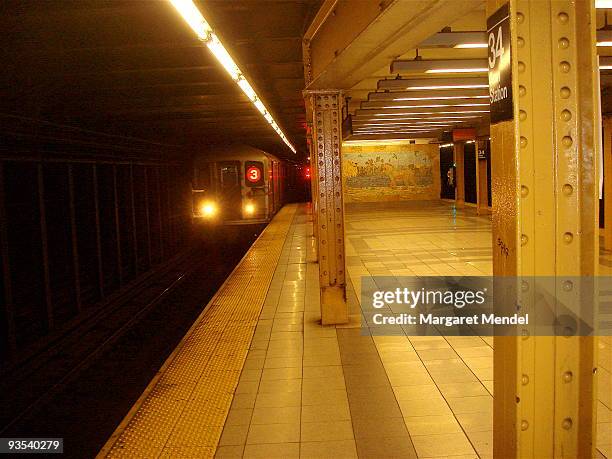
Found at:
<point>414,84</point>
<point>428,94</point>
<point>455,40</point>
<point>399,104</point>
<point>436,66</point>
<point>353,43</point>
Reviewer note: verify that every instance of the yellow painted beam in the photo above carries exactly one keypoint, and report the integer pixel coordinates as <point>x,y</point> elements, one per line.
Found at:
<point>347,44</point>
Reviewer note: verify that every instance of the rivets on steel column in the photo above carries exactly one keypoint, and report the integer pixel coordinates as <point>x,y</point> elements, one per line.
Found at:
<point>567,141</point>
<point>524,380</point>
<point>524,286</point>
<point>522,115</point>
<point>523,142</point>
<point>522,91</point>
<point>565,67</point>
<point>524,425</point>
<point>524,191</point>
<point>525,335</point>
<point>565,92</point>
<point>568,189</point>
<point>566,115</point>
<point>521,67</point>
<point>520,17</point>
<point>568,376</point>
<point>562,18</point>
<point>520,41</point>
<point>524,239</point>
<point>568,286</point>
<point>567,423</point>
<point>568,237</point>
<point>563,43</point>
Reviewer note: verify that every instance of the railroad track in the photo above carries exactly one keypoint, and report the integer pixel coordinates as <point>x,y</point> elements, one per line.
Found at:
<point>105,349</point>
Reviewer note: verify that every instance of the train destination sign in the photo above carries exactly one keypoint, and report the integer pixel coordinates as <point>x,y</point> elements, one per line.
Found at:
<point>500,65</point>
<point>253,173</point>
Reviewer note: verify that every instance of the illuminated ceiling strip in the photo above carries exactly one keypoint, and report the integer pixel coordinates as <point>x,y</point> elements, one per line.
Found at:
<point>605,63</point>
<point>204,32</point>
<point>432,111</point>
<point>440,66</point>
<point>604,38</point>
<point>433,84</point>
<point>414,123</point>
<point>439,98</point>
<point>603,4</point>
<point>395,105</point>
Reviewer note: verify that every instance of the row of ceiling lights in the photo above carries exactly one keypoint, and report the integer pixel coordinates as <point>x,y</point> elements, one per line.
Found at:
<point>204,32</point>
<point>459,94</point>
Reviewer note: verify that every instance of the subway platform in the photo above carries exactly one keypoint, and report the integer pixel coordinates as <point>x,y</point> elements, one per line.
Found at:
<point>258,376</point>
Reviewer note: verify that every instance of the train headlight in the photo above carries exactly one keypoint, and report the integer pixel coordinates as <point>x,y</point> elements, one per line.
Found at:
<point>208,209</point>
<point>249,209</point>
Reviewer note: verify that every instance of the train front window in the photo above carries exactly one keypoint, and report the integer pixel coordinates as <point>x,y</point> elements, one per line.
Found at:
<point>201,177</point>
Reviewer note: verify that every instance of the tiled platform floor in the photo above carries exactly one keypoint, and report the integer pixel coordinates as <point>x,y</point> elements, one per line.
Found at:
<point>314,392</point>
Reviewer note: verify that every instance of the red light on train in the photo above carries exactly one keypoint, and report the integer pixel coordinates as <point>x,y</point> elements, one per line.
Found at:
<point>307,172</point>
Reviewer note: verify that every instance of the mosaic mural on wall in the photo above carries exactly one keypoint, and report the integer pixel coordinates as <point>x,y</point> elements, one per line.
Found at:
<point>391,173</point>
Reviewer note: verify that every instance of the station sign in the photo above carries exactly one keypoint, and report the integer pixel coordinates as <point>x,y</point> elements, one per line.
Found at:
<point>253,171</point>
<point>500,65</point>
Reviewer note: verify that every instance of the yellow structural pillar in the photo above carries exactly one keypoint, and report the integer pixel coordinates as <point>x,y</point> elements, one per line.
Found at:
<point>482,195</point>
<point>314,182</point>
<point>607,157</point>
<point>459,159</point>
<point>544,183</point>
<point>326,109</point>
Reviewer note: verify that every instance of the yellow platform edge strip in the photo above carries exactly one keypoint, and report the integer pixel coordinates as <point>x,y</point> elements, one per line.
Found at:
<point>182,411</point>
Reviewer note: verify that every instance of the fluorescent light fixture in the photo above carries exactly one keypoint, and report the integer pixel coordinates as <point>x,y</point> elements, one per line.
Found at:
<point>470,45</point>
<point>202,29</point>
<point>444,145</point>
<point>366,142</point>
<point>603,4</point>
<point>458,119</point>
<point>435,106</point>
<point>440,66</point>
<point>604,38</point>
<point>423,84</point>
<point>459,70</point>
<point>605,63</point>
<point>193,17</point>
<point>441,97</point>
<point>429,113</point>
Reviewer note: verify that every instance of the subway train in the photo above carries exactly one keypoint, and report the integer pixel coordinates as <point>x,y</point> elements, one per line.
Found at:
<point>236,185</point>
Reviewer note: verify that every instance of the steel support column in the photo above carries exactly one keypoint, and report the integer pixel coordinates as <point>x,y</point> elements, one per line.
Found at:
<point>544,179</point>
<point>326,109</point>
<point>459,160</point>
<point>314,182</point>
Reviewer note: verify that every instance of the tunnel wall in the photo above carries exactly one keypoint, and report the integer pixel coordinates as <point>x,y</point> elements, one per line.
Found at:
<point>397,172</point>
<point>80,224</point>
